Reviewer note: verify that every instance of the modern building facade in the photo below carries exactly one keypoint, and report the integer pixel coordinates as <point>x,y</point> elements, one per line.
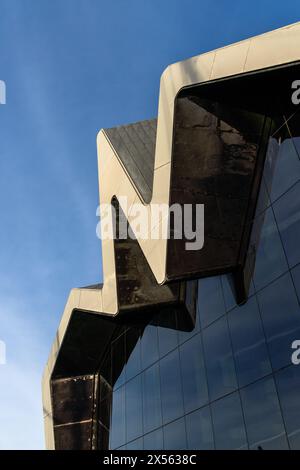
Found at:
<point>193,349</point>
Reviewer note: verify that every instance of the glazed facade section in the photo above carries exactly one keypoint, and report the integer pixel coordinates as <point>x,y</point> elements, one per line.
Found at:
<point>229,383</point>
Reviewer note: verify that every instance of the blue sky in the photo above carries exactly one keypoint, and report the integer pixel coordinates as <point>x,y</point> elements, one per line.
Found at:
<point>72,67</point>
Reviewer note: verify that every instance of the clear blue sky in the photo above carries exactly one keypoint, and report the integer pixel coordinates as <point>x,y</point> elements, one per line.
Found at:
<point>72,67</point>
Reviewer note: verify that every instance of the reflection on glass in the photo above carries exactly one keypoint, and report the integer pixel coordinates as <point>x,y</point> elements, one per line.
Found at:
<point>133,408</point>
<point>167,335</point>
<point>175,435</point>
<point>286,167</point>
<point>210,300</point>
<point>135,445</point>
<point>192,295</point>
<point>296,138</point>
<point>263,199</point>
<point>219,359</point>
<point>149,346</point>
<point>133,353</point>
<point>248,341</point>
<point>151,398</point>
<point>117,434</point>
<point>199,430</point>
<point>265,429</point>
<point>296,279</point>
<point>287,213</point>
<point>154,440</point>
<point>281,319</point>
<point>171,388</point>
<point>228,422</point>
<point>288,386</point>
<point>118,361</point>
<point>193,374</point>
<point>228,291</point>
<point>270,259</point>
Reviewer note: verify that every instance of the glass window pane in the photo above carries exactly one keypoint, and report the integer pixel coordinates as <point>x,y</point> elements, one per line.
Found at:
<point>219,359</point>
<point>210,300</point>
<point>281,319</point>
<point>118,361</point>
<point>228,422</point>
<point>135,445</point>
<point>248,341</point>
<point>270,260</point>
<point>296,279</point>
<point>133,353</point>
<point>228,291</point>
<point>286,168</point>
<point>149,346</point>
<point>271,158</point>
<point>167,334</point>
<point>263,199</point>
<point>154,440</point>
<point>117,428</point>
<point>171,388</point>
<point>199,430</point>
<point>263,418</point>
<point>133,408</point>
<point>175,435</point>
<point>287,213</point>
<point>294,128</point>
<point>191,300</point>
<point>288,386</point>
<point>151,398</point>
<point>195,392</point>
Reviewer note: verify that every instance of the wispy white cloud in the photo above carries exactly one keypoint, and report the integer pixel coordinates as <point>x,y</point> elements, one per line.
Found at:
<point>20,378</point>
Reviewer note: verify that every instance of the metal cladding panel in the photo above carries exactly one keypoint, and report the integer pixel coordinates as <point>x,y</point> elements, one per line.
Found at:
<point>135,147</point>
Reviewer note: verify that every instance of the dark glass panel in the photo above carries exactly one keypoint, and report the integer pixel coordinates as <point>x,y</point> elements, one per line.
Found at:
<point>118,361</point>
<point>228,422</point>
<point>117,434</point>
<point>105,376</point>
<point>134,422</point>
<point>296,279</point>
<point>248,341</point>
<point>151,399</point>
<point>288,386</point>
<point>133,353</point>
<point>210,300</point>
<point>293,124</point>
<point>287,213</point>
<point>263,199</point>
<point>192,295</point>
<point>175,435</point>
<point>149,346</point>
<point>171,388</point>
<point>154,440</point>
<point>105,411</point>
<point>195,392</point>
<point>264,424</point>
<point>270,259</point>
<point>281,319</point>
<point>199,430</point>
<point>219,359</point>
<point>102,437</point>
<point>228,291</point>
<point>167,334</point>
